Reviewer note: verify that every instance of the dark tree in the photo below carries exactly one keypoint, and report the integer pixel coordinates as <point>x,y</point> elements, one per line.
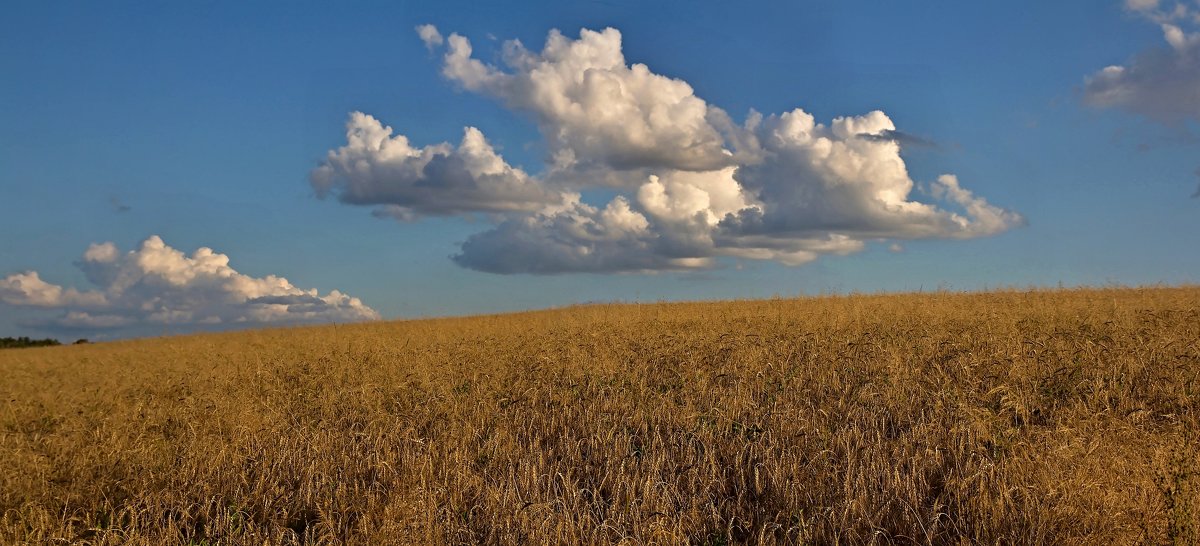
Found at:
<point>23,341</point>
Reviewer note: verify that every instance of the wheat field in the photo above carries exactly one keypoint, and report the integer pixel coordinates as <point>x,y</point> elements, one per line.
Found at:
<point>1011,417</point>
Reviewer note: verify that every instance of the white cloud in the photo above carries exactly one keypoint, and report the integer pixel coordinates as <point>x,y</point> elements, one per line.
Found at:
<point>981,219</point>
<point>793,250</point>
<point>819,190</point>
<point>377,168</point>
<point>593,107</point>
<point>430,35</point>
<point>1165,12</point>
<point>816,179</point>
<point>1162,83</point>
<point>157,284</point>
<point>684,196</point>
<point>1141,5</point>
<point>83,320</point>
<point>30,290</point>
<point>692,185</point>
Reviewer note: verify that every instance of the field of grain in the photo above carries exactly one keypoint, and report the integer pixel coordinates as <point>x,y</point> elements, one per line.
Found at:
<point>1038,417</point>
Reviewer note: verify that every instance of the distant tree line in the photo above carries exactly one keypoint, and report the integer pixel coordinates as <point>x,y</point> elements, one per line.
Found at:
<point>19,342</point>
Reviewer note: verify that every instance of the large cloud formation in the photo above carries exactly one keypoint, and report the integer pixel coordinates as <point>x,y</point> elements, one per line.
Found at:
<point>1163,83</point>
<point>693,185</point>
<point>159,285</point>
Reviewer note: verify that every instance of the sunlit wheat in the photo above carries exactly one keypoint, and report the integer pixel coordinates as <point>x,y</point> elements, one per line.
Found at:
<point>1018,417</point>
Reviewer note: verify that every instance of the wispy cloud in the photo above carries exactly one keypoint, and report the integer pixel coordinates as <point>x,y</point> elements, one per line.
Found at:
<point>1161,83</point>
<point>904,139</point>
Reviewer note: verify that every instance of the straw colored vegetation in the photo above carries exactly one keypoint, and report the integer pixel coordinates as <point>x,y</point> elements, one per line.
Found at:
<point>1053,417</point>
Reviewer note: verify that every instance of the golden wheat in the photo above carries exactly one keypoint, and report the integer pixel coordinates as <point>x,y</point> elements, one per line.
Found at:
<point>1051,417</point>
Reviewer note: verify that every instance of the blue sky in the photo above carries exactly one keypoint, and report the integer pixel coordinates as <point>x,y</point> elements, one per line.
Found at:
<point>202,124</point>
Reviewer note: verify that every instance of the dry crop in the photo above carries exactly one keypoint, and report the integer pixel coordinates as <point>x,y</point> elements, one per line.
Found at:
<point>1017,417</point>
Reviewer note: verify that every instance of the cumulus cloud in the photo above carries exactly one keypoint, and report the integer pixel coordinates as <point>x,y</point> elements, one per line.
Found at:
<point>29,289</point>
<point>378,168</point>
<point>593,107</point>
<point>157,284</point>
<point>1161,83</point>
<point>817,179</point>
<point>692,184</point>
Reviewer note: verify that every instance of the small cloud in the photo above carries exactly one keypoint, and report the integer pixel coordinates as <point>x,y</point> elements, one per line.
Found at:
<point>1141,5</point>
<point>896,247</point>
<point>430,35</point>
<point>82,320</point>
<point>395,212</point>
<point>900,137</point>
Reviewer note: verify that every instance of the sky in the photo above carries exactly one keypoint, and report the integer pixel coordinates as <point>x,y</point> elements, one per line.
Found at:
<point>213,165</point>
